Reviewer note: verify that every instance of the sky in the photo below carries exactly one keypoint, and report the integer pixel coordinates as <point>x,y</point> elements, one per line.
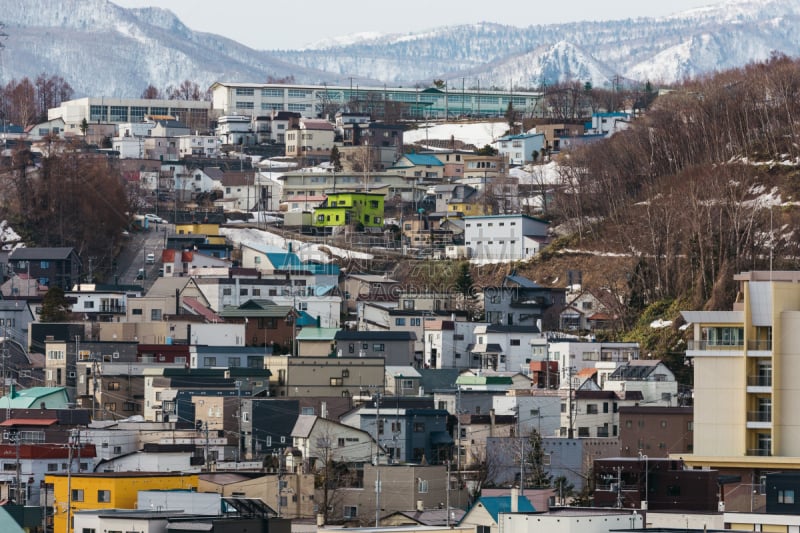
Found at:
<point>266,25</point>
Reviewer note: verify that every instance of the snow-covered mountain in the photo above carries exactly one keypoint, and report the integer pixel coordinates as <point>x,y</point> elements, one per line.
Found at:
<point>100,48</point>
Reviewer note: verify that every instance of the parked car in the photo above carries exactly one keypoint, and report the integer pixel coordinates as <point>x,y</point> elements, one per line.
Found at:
<point>155,219</point>
<point>150,258</point>
<point>141,274</point>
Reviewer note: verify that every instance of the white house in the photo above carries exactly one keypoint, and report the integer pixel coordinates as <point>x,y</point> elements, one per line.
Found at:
<point>234,129</point>
<point>198,146</point>
<point>518,149</point>
<point>504,348</point>
<point>503,238</point>
<point>609,123</point>
<point>320,439</point>
<point>447,344</point>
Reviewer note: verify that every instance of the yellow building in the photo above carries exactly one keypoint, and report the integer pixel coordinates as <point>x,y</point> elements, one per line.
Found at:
<point>106,490</point>
<point>211,231</point>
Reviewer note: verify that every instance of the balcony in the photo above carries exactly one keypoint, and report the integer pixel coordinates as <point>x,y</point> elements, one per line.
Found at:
<point>759,452</point>
<point>759,416</point>
<point>759,381</point>
<point>716,345</point>
<point>760,346</point>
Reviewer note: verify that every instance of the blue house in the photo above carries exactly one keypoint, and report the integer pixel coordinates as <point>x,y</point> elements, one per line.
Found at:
<point>422,166</point>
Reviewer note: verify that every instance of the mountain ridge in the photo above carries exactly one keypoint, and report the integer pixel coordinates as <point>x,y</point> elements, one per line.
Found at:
<point>102,48</point>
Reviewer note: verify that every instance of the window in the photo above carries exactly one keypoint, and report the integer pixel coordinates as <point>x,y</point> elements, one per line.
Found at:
<point>77,495</point>
<point>422,486</point>
<point>209,361</point>
<point>137,312</point>
<point>103,496</point>
<point>155,314</point>
<point>244,91</point>
<point>88,304</point>
<point>110,406</point>
<point>416,321</point>
<point>234,362</point>
<point>350,512</point>
<point>591,409</point>
<point>515,342</point>
<point>52,467</point>
<point>419,427</point>
<point>379,347</point>
<point>226,291</point>
<point>113,385</point>
<point>399,321</point>
<point>336,382</point>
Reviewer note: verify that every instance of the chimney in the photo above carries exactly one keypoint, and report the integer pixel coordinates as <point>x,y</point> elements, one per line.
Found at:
<point>514,500</point>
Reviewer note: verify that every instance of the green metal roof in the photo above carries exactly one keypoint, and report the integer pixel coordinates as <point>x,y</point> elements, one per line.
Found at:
<point>52,397</point>
<point>317,334</point>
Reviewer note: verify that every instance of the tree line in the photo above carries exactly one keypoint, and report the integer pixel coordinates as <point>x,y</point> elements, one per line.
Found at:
<point>690,190</point>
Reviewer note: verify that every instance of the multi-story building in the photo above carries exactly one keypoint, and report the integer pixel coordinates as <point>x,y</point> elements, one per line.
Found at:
<point>746,382</point>
<point>107,490</point>
<point>312,140</point>
<point>53,267</point>
<point>106,110</point>
<point>344,208</point>
<point>312,100</point>
<point>503,238</point>
<point>519,149</point>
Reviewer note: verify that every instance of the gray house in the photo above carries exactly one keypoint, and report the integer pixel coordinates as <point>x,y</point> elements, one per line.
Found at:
<point>396,347</point>
<point>518,301</point>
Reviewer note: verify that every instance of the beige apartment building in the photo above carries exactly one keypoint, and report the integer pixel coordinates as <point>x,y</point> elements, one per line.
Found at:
<point>747,380</point>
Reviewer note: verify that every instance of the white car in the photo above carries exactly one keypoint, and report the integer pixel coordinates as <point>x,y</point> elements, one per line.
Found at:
<point>154,218</point>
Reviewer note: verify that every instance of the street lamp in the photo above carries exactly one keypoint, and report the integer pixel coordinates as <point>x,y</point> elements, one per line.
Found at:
<point>646,479</point>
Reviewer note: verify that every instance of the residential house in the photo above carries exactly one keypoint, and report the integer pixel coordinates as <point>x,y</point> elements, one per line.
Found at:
<point>384,141</point>
<point>609,123</point>
<point>271,129</point>
<point>656,431</point>
<point>488,511</point>
<point>53,267</point>
<point>240,192</point>
<point>346,376</point>
<point>321,181</point>
<point>368,287</point>
<point>361,209</point>
<point>504,348</point>
<point>518,301</point>
<point>504,238</point>
<point>266,323</point>
<point>320,440</point>
<point>453,161</point>
<point>518,149</point>
<point>106,490</point>
<point>102,303</point>
<point>424,168</point>
<point>409,435</point>
<point>555,132</point>
<point>198,146</point>
<point>229,357</point>
<point>396,347</point>
<point>296,493</point>
<point>235,130</point>
<point>574,356</point>
<point>402,486</point>
<point>651,377</point>
<point>474,432</point>
<point>655,484</point>
<point>316,342</point>
<point>447,344</point>
<point>402,381</point>
<point>312,140</point>
<point>447,193</point>
<point>590,310</point>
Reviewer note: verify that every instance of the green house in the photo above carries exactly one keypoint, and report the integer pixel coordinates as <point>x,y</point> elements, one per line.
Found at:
<point>344,208</point>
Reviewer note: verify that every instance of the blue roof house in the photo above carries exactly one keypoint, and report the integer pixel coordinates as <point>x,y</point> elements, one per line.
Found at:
<point>486,511</point>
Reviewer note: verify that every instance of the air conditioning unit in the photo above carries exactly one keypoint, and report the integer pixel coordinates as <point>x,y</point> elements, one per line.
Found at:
<point>115,355</point>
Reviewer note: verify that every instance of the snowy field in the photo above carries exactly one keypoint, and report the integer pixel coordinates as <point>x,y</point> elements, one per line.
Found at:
<point>305,251</point>
<point>476,133</point>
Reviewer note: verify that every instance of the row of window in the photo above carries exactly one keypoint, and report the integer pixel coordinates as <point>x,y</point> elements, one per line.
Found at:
<point>103,496</point>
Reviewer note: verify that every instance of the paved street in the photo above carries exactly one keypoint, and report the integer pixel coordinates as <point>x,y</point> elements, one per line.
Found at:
<point>134,256</point>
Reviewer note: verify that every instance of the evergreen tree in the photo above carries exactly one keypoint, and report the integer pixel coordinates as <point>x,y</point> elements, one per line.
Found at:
<point>55,307</point>
<point>537,476</point>
<point>336,159</point>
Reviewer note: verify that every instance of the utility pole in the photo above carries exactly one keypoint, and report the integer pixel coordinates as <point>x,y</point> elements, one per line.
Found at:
<point>447,497</point>
<point>239,416</point>
<point>72,437</point>
<point>571,428</point>
<point>521,451</point>
<point>205,425</point>
<point>377,459</point>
